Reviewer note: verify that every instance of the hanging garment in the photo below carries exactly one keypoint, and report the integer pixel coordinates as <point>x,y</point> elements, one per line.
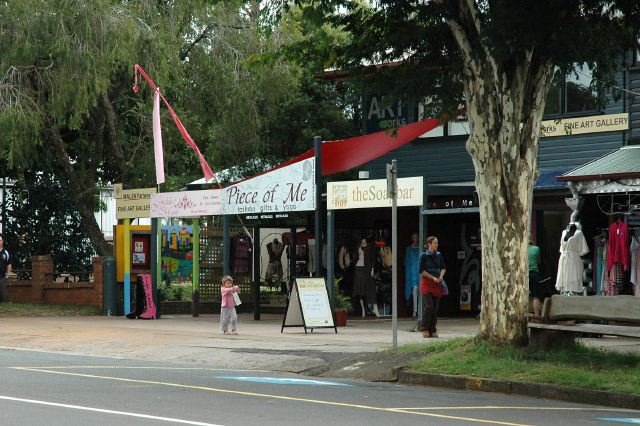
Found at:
<point>274,267</point>
<point>618,249</point>
<point>570,266</point>
<point>634,252</point>
<point>411,274</point>
<point>615,281</point>
<point>241,249</point>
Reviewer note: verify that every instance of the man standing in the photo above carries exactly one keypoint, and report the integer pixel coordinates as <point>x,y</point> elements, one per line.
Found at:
<point>5,270</point>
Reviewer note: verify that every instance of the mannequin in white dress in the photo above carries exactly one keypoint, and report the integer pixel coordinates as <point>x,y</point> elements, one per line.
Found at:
<point>573,246</point>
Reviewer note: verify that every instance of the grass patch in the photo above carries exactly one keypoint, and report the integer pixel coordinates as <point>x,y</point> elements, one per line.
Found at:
<point>576,366</point>
<point>11,309</point>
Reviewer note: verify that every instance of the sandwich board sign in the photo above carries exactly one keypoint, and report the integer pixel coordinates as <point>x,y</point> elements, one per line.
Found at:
<point>308,305</point>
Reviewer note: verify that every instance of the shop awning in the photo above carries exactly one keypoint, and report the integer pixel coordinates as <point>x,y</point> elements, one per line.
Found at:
<point>345,154</point>
<point>623,163</point>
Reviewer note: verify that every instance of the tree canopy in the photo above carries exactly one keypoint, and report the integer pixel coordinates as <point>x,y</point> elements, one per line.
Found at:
<point>66,77</point>
<point>499,58</point>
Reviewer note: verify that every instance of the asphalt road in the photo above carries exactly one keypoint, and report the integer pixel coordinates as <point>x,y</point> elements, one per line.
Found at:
<point>42,388</point>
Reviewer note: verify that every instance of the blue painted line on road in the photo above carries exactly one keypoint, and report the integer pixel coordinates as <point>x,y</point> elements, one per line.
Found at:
<point>283,381</point>
<point>620,420</point>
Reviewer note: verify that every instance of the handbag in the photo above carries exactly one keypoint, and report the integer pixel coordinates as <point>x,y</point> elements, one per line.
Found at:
<point>443,288</point>
<point>236,299</point>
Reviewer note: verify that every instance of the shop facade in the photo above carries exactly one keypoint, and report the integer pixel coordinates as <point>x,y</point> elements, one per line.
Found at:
<point>570,137</point>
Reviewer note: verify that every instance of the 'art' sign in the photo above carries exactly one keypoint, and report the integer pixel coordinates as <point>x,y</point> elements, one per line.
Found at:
<point>290,188</point>
<point>133,203</point>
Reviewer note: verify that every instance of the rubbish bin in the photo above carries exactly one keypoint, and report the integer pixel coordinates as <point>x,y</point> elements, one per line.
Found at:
<point>109,286</point>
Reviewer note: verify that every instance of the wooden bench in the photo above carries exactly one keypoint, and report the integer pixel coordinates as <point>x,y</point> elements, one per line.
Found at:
<point>566,317</point>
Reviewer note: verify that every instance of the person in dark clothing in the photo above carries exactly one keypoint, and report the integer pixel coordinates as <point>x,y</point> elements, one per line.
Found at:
<point>5,269</point>
<point>432,270</point>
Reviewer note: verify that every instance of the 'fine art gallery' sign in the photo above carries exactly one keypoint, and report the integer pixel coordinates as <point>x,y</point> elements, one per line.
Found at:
<point>358,194</point>
<point>290,188</point>
<point>187,203</point>
<point>133,203</point>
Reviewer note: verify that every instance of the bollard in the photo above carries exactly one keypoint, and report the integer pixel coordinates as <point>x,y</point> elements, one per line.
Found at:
<point>109,286</point>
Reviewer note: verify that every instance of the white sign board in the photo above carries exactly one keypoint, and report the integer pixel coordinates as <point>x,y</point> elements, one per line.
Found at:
<point>290,188</point>
<point>309,305</point>
<point>134,203</point>
<point>187,203</point>
<point>358,194</point>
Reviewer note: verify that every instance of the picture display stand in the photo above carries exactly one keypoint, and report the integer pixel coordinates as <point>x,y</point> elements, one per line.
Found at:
<point>308,306</point>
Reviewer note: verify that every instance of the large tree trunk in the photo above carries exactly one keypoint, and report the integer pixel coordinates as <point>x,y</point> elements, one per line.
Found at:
<point>505,103</point>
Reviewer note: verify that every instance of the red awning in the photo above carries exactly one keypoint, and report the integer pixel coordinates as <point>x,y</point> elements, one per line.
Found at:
<point>346,154</point>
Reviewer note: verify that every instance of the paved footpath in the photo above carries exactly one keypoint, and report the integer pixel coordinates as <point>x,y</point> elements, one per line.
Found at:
<point>185,339</point>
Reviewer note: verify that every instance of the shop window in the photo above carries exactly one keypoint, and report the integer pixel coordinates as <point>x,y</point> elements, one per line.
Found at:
<point>572,93</point>
<point>457,126</point>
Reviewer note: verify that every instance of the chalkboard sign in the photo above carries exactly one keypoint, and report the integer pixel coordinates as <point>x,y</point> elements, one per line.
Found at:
<point>308,305</point>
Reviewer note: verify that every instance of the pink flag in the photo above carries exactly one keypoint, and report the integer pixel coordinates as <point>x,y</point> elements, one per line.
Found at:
<point>206,170</point>
<point>157,138</point>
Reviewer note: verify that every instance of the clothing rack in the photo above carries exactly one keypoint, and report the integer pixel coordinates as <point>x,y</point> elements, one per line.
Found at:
<point>612,204</point>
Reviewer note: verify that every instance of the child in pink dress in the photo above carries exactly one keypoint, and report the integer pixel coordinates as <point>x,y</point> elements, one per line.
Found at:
<point>228,309</point>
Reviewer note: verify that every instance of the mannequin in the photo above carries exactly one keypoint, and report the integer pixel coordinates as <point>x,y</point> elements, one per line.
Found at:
<point>274,268</point>
<point>411,275</point>
<point>364,287</point>
<point>573,245</point>
<point>345,265</point>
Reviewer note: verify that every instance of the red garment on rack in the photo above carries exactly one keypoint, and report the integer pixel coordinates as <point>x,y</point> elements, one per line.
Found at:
<point>618,246</point>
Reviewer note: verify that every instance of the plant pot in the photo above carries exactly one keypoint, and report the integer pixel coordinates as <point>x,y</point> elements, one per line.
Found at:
<point>341,317</point>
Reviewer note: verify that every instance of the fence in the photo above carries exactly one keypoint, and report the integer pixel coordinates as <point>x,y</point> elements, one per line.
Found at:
<point>50,287</point>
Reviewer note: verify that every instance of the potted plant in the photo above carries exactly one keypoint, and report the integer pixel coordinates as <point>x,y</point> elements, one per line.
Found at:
<point>341,304</point>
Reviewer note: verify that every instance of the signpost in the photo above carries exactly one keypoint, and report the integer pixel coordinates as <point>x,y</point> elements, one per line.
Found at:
<point>392,191</point>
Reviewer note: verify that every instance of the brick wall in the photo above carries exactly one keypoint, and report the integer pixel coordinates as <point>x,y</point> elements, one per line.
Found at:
<point>42,288</point>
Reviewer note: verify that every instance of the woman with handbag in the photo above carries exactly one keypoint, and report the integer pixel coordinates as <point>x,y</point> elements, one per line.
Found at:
<point>432,270</point>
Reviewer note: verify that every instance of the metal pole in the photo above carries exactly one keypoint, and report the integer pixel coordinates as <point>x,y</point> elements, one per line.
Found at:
<point>317,147</point>
<point>156,262</point>
<point>195,274</point>
<point>330,251</point>
<point>226,246</point>
<point>256,272</point>
<point>394,245</point>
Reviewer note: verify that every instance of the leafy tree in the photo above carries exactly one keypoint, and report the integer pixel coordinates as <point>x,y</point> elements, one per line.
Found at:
<point>44,221</point>
<point>498,57</point>
<point>66,75</point>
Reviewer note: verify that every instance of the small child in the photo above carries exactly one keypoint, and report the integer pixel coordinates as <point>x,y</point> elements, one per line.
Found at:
<point>228,309</point>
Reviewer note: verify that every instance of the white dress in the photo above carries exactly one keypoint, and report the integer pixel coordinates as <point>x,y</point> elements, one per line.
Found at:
<point>570,266</point>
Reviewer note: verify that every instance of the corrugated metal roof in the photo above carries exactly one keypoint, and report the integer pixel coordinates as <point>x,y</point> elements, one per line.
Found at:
<point>622,163</point>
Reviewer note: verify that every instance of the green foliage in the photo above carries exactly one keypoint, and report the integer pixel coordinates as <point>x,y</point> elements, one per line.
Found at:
<point>339,300</point>
<point>417,34</point>
<point>577,366</point>
<point>175,292</point>
<point>43,220</point>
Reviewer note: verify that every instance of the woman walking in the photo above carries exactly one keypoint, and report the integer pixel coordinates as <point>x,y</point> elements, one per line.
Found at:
<point>432,270</point>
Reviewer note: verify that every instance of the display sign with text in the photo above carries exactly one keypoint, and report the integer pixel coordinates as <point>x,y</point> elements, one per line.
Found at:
<point>582,125</point>
<point>288,189</point>
<point>134,203</point>
<point>187,203</point>
<point>308,305</point>
<point>358,194</point>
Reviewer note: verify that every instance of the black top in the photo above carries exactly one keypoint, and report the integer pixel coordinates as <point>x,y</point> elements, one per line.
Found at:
<point>432,263</point>
<point>5,259</point>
